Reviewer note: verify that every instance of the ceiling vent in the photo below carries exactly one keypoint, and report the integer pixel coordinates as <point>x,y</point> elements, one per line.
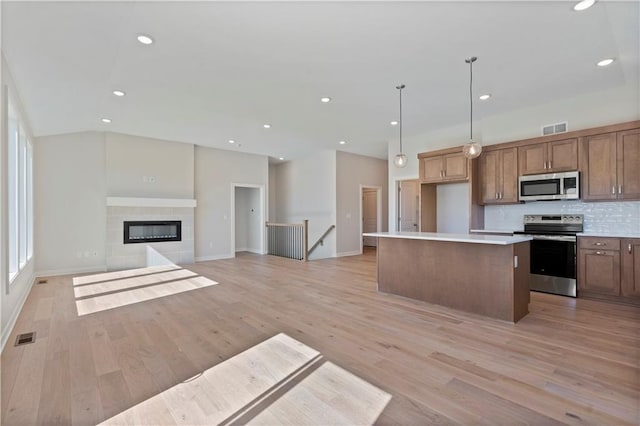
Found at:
<point>552,129</point>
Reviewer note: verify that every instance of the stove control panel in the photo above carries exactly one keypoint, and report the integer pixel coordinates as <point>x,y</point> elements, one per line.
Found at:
<point>560,219</point>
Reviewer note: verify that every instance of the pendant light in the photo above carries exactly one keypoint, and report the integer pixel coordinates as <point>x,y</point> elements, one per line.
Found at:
<point>471,149</point>
<point>400,159</point>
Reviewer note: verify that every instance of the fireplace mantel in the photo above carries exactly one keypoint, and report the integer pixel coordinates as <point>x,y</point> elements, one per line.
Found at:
<point>150,202</point>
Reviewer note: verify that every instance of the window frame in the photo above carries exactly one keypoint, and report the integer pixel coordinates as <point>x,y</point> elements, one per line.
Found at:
<point>19,163</point>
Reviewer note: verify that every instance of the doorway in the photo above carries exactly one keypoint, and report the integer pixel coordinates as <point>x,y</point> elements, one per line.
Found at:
<point>247,208</point>
<point>371,213</point>
<point>408,205</point>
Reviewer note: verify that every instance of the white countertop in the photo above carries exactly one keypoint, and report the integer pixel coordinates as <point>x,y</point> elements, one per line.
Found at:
<point>491,231</point>
<point>458,238</point>
<point>609,234</point>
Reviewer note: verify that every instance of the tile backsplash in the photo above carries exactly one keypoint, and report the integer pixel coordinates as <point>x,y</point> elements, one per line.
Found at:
<point>614,217</point>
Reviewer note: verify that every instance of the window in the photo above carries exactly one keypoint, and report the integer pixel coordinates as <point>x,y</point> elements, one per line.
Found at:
<point>29,199</point>
<point>22,198</point>
<point>20,193</point>
<point>12,202</point>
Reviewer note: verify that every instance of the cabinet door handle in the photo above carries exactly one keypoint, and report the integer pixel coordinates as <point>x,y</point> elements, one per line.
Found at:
<point>496,195</point>
<point>600,252</point>
<point>549,164</point>
<point>544,165</point>
<point>613,190</point>
<point>501,196</point>
<point>600,244</point>
<point>620,189</point>
<point>444,173</point>
<point>629,248</point>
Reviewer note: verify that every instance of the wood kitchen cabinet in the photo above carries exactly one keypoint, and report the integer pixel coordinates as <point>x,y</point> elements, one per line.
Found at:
<point>443,168</point>
<point>610,165</point>
<point>548,157</point>
<point>609,268</point>
<point>499,176</point>
<point>631,267</point>
<point>599,269</point>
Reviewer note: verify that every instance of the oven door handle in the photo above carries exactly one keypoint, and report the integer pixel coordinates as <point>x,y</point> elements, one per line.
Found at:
<point>567,238</point>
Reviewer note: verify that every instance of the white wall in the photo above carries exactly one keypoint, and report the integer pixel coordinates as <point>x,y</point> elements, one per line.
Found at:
<point>306,189</point>
<point>215,172</point>
<point>611,106</point>
<point>453,208</point>
<point>70,194</point>
<point>353,172</point>
<point>144,167</point>
<point>273,187</point>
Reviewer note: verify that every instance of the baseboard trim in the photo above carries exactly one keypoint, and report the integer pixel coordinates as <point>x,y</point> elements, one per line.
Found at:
<point>15,314</point>
<point>216,257</point>
<point>250,250</point>
<point>349,253</point>
<point>70,271</point>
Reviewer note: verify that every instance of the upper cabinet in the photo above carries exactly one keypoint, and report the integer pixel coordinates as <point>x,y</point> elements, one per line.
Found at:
<point>548,157</point>
<point>610,165</point>
<point>443,168</point>
<point>499,176</point>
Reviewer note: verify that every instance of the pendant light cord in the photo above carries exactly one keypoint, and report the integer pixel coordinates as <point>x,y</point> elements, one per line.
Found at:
<point>471,97</point>
<point>470,61</point>
<point>400,87</point>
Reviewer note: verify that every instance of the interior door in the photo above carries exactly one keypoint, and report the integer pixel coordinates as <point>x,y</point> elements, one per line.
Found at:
<point>408,205</point>
<point>369,215</point>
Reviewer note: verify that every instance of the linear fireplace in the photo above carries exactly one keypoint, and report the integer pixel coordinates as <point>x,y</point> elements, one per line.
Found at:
<point>152,231</point>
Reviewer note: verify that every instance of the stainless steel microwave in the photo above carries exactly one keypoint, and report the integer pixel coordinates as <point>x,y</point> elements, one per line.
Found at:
<point>549,186</point>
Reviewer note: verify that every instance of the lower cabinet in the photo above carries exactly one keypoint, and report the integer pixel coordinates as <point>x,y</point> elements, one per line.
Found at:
<point>610,268</point>
<point>630,285</point>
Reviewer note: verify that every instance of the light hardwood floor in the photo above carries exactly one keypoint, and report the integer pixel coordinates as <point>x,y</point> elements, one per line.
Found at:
<point>567,362</point>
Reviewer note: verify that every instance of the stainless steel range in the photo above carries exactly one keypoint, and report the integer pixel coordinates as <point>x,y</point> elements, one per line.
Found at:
<point>553,252</point>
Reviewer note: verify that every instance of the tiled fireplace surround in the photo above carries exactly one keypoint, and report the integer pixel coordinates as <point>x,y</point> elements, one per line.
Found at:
<point>126,256</point>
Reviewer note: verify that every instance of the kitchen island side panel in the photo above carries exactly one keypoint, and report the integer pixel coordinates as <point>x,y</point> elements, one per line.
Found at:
<point>521,290</point>
<point>477,278</point>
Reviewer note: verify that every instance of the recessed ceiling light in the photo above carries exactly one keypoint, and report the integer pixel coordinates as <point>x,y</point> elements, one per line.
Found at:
<point>145,39</point>
<point>605,62</point>
<point>342,142</point>
<point>232,141</point>
<point>281,158</point>
<point>583,5</point>
<point>106,120</point>
<point>485,97</point>
<point>266,126</point>
<point>394,123</point>
<point>325,100</point>
<point>119,93</point>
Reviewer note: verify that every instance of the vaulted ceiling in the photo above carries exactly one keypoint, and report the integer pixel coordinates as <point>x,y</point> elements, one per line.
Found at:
<point>221,70</point>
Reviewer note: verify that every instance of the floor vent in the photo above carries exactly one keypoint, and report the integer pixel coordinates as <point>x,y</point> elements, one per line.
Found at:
<point>26,338</point>
<point>552,129</point>
<point>43,281</point>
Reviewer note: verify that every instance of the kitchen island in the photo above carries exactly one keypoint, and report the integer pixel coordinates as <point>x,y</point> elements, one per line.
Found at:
<point>482,274</point>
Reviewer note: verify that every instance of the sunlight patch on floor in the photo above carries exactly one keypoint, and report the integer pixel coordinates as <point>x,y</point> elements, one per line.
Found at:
<point>122,288</point>
<point>278,381</point>
<point>118,275</point>
<point>127,283</point>
<point>328,396</point>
